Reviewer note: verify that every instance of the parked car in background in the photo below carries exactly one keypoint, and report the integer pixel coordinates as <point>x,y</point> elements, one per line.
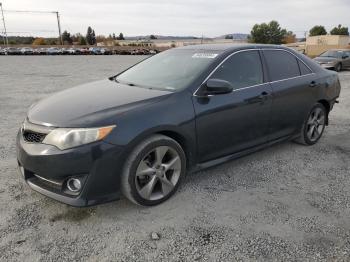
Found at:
<point>139,132</point>
<point>106,51</point>
<point>74,51</point>
<point>84,51</point>
<point>64,51</point>
<point>95,51</point>
<point>139,52</point>
<point>336,59</point>
<point>27,51</point>
<point>54,51</point>
<point>13,51</point>
<point>40,51</point>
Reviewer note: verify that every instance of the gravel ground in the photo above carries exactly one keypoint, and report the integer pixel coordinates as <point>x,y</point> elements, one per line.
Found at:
<point>288,202</point>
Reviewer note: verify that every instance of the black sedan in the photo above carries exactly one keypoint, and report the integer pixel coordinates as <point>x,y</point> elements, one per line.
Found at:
<point>138,133</point>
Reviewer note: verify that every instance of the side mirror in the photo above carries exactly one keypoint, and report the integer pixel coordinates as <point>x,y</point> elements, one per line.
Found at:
<point>218,86</point>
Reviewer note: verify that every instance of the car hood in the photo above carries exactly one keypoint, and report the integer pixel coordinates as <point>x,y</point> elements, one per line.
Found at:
<point>93,104</point>
<point>325,59</point>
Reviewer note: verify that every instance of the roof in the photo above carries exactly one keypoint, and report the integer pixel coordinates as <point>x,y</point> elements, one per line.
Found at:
<point>228,47</point>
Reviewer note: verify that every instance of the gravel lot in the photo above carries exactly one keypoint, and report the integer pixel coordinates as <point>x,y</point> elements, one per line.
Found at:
<point>288,202</point>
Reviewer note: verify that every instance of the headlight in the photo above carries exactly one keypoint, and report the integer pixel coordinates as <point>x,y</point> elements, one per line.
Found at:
<point>65,138</point>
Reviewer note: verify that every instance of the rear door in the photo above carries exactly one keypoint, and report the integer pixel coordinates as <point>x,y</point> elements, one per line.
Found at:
<point>292,83</point>
<point>232,122</point>
<point>347,60</point>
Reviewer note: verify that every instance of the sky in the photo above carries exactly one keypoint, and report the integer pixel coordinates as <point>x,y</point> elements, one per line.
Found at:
<point>176,17</point>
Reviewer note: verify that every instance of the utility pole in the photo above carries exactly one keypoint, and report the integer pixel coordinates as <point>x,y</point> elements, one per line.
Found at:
<point>6,40</point>
<point>59,28</point>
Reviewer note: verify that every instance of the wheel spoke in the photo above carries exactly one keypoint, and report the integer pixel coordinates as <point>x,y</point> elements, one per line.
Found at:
<point>320,120</point>
<point>310,121</point>
<point>160,153</point>
<point>317,133</point>
<point>147,190</point>
<point>167,186</point>
<point>143,169</point>
<point>173,163</point>
<point>311,131</point>
<point>317,113</point>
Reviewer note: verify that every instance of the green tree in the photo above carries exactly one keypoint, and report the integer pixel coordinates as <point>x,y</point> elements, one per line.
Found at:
<point>152,37</point>
<point>340,30</point>
<point>121,37</point>
<point>66,37</point>
<point>82,40</point>
<point>114,37</point>
<point>270,33</point>
<point>90,36</point>
<point>317,30</point>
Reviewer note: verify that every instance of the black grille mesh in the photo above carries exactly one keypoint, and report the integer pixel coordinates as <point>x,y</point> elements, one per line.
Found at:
<point>33,137</point>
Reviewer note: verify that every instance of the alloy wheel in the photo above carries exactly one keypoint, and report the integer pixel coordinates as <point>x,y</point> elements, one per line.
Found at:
<point>158,173</point>
<point>315,124</point>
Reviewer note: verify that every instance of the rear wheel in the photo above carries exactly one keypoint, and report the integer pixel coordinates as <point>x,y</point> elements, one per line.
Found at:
<point>338,67</point>
<point>313,126</point>
<point>153,171</point>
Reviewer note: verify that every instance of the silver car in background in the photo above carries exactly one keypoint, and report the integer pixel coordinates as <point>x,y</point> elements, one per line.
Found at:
<point>336,59</point>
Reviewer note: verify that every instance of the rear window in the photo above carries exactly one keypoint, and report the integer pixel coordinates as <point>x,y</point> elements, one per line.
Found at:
<point>304,70</point>
<point>281,64</point>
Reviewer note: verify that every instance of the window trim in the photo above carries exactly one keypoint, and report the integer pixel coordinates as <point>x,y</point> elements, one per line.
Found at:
<point>268,82</point>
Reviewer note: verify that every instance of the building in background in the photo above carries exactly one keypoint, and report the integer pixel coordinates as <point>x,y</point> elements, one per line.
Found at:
<point>316,45</point>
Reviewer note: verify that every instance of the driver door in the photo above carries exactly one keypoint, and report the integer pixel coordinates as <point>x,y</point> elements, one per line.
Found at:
<point>229,123</point>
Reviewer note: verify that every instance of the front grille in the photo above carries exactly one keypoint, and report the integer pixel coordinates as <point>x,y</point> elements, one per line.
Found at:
<point>33,137</point>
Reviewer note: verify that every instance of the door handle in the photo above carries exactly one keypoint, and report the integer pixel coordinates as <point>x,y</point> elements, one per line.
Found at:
<point>264,95</point>
<point>313,84</point>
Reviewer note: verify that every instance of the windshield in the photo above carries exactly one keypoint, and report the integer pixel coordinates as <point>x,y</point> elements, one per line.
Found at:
<point>171,70</point>
<point>332,53</point>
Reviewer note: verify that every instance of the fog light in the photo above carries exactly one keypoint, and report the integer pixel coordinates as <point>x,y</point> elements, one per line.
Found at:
<point>74,184</point>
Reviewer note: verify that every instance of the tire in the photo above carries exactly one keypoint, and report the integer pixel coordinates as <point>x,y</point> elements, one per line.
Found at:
<point>313,125</point>
<point>149,180</point>
<point>338,67</point>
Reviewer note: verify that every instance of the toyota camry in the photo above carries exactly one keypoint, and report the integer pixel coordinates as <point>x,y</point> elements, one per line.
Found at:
<point>138,133</point>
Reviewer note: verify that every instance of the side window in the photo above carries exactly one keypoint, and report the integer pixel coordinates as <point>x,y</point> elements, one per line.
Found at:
<point>304,70</point>
<point>241,70</point>
<point>281,64</point>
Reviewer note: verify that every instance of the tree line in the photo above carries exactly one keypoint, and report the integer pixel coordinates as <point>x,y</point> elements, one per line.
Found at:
<point>265,33</point>
<point>272,33</point>
<point>90,38</point>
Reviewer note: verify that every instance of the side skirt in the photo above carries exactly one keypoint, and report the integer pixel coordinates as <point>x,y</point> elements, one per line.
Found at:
<point>218,161</point>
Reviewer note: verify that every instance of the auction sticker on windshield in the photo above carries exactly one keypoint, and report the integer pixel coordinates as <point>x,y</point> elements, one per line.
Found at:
<point>204,55</point>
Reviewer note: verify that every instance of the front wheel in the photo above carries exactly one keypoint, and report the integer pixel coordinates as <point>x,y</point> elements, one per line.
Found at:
<point>313,126</point>
<point>153,171</point>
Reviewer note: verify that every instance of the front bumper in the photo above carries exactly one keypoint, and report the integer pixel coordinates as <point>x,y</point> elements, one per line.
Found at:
<point>46,169</point>
<point>327,66</point>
